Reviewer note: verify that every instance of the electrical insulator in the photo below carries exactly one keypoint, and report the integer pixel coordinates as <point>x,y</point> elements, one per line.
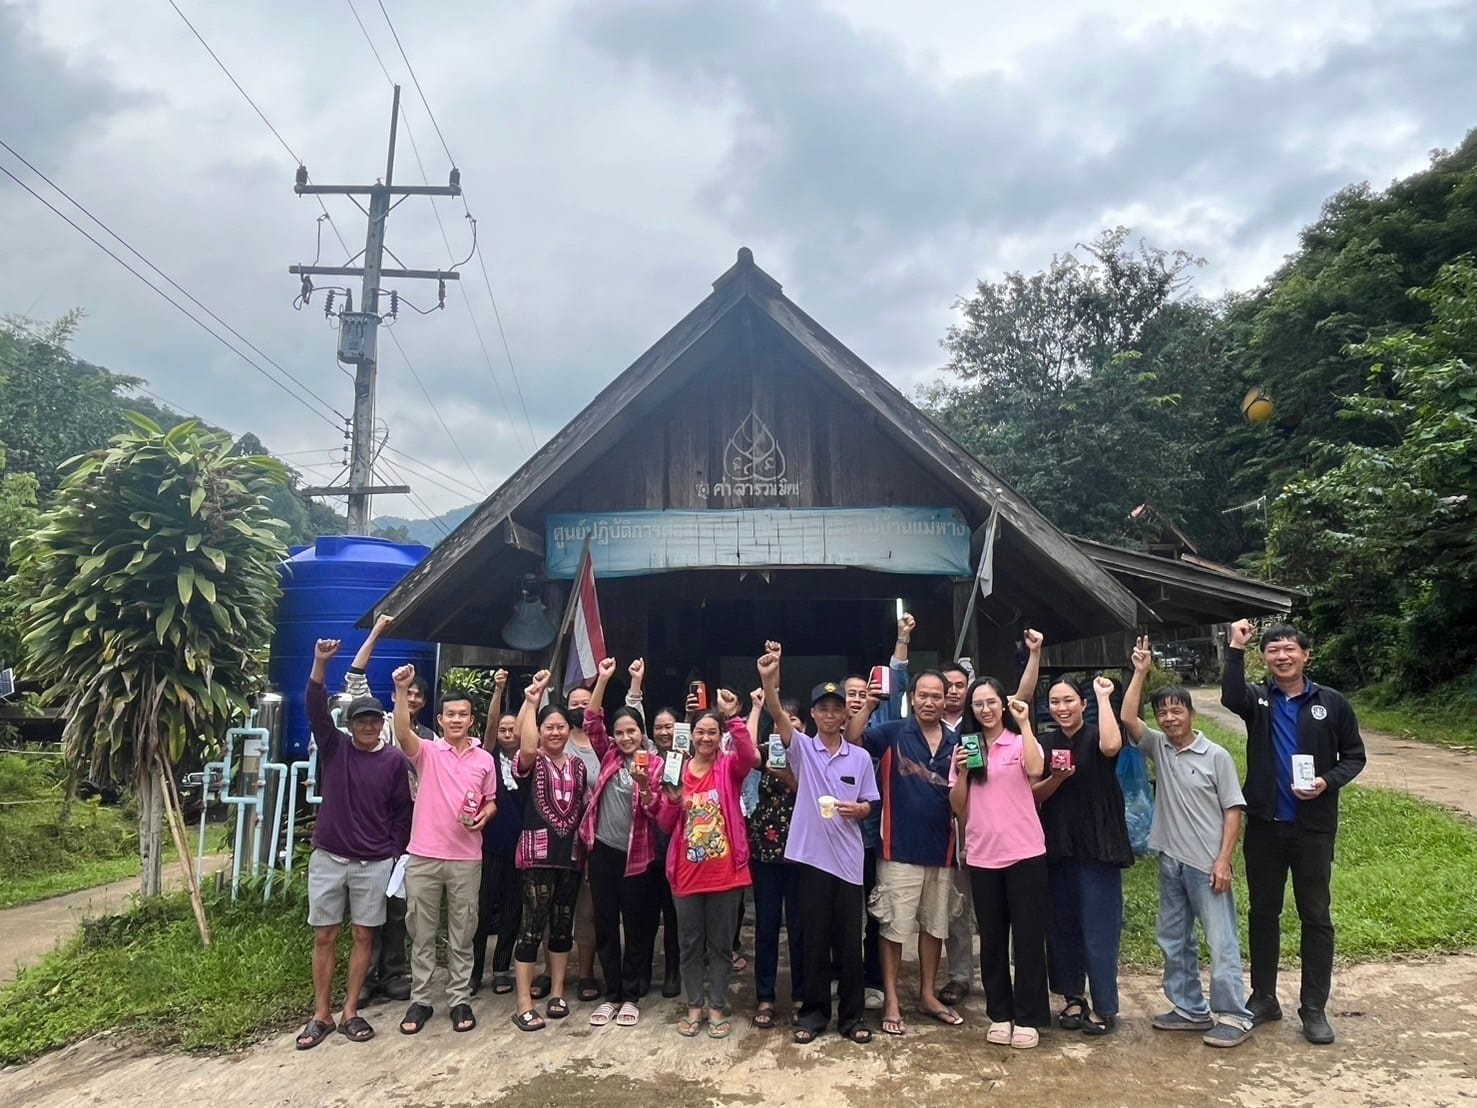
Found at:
<point>394,303</point>
<point>348,300</point>
<point>441,295</point>
<point>456,177</point>
<point>307,290</point>
<point>302,176</point>
<point>328,307</point>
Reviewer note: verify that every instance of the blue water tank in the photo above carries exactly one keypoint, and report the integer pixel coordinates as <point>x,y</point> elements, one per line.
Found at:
<point>326,588</point>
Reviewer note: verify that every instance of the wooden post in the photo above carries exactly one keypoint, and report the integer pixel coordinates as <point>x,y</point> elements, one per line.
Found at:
<point>174,814</point>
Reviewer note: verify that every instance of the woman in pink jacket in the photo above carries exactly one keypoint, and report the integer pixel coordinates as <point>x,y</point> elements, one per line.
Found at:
<point>708,860</point>
<point>618,831</point>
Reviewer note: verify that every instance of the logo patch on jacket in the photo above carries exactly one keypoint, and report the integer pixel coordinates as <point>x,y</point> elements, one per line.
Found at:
<point>1318,711</point>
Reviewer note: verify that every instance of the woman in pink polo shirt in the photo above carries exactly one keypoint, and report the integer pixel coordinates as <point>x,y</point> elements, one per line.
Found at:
<point>1005,851</point>
<point>708,860</point>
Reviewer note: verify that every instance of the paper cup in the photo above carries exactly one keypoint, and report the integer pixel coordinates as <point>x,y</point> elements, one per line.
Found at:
<point>828,806</point>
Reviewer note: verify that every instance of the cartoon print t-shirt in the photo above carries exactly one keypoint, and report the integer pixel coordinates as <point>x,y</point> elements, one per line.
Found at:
<point>705,863</point>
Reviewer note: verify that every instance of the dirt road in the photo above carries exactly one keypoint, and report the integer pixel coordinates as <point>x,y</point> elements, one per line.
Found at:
<point>1404,1038</point>
<point>1441,774</point>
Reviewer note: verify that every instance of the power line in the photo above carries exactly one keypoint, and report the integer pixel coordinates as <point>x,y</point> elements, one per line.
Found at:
<point>432,481</point>
<point>435,410</point>
<point>427,465</point>
<point>415,500</point>
<point>476,246</point>
<point>174,303</point>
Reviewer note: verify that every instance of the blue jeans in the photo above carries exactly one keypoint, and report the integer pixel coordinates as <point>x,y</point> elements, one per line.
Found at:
<point>1084,928</point>
<point>776,895</point>
<point>1184,897</point>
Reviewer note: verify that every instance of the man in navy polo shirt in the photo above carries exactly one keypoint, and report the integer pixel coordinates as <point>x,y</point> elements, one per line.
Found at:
<point>1290,826</point>
<point>915,889</point>
<point>835,790</point>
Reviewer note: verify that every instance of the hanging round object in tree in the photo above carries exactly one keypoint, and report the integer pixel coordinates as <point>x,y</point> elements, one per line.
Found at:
<point>1257,406</point>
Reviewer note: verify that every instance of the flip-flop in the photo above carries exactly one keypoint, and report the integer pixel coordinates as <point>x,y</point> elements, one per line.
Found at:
<point>528,1021</point>
<point>415,1018</point>
<point>313,1033</point>
<point>628,1015</point>
<point>688,1027</point>
<point>602,1015</point>
<point>356,1030</point>
<point>462,1018</point>
<point>894,1027</point>
<point>720,1029</point>
<point>739,962</point>
<point>946,1016</point>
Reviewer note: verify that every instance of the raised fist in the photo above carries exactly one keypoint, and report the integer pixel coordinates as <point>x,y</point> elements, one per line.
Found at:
<point>1034,639</point>
<point>499,678</point>
<point>906,625</point>
<point>637,669</point>
<point>768,664</point>
<point>403,676</point>
<point>1240,634</point>
<point>382,624</point>
<point>728,703</point>
<point>1020,710</point>
<point>605,668</point>
<point>325,649</point>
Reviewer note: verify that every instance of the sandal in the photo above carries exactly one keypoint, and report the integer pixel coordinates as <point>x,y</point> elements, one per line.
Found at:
<point>859,1034</point>
<point>1024,1038</point>
<point>356,1030</point>
<point>803,1035</point>
<point>688,1027</point>
<point>1098,1025</point>
<point>528,1021</point>
<point>462,1018</point>
<point>558,1008</point>
<point>764,1018</point>
<point>313,1033</point>
<point>628,1015</point>
<point>999,1033</point>
<point>541,986</point>
<point>720,1028</point>
<point>415,1018</point>
<point>952,993</point>
<point>502,983</point>
<point>894,1026</point>
<point>602,1015</point>
<point>1070,1017</point>
<point>589,989</point>
<point>739,962</point>
<point>946,1016</point>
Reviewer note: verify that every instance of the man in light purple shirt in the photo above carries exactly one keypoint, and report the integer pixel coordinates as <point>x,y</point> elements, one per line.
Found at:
<point>836,787</point>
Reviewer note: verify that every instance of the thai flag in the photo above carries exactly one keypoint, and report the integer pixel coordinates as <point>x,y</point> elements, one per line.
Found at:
<point>586,639</point>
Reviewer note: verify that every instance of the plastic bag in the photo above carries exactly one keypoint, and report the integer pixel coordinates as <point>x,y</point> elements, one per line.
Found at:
<point>1138,797</point>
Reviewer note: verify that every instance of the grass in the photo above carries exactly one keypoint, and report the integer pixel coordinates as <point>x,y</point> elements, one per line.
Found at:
<point>1447,716</point>
<point>1402,880</point>
<point>146,972</point>
<point>84,875</point>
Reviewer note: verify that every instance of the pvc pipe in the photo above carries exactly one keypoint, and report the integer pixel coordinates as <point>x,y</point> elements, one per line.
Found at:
<point>281,771</point>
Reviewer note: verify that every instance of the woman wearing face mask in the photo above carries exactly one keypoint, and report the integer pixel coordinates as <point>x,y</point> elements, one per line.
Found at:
<point>502,888</point>
<point>1006,855</point>
<point>708,860</point>
<point>663,728</point>
<point>550,854</point>
<point>618,835</point>
<point>1087,850</point>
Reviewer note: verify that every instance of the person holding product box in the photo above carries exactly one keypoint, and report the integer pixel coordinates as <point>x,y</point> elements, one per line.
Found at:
<point>1005,851</point>
<point>708,860</point>
<point>1087,850</point>
<point>1291,823</point>
<point>835,790</point>
<point>618,835</point>
<point>1197,819</point>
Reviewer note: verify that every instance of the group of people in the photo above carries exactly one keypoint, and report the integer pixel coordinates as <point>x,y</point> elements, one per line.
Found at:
<point>879,823</point>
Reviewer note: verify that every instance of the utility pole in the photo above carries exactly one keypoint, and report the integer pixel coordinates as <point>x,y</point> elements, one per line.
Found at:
<point>358,343</point>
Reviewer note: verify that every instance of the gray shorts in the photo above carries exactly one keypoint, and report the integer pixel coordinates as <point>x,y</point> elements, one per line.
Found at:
<point>334,884</point>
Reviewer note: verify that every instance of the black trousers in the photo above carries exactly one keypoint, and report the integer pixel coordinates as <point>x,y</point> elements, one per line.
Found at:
<point>667,913</point>
<point>625,907</point>
<point>388,960</point>
<point>1010,907</point>
<point>1272,850</point>
<point>831,928</point>
<point>499,910</point>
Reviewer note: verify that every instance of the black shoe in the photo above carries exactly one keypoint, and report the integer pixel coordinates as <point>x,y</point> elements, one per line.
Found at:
<point>396,988</point>
<point>643,986</point>
<point>367,994</point>
<point>672,983</point>
<point>1263,1008</point>
<point>1316,1028</point>
<point>474,985</point>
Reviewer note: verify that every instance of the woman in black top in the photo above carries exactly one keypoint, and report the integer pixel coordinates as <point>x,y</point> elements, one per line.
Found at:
<point>1087,850</point>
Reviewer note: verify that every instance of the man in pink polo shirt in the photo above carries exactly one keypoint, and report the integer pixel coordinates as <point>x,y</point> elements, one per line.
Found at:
<point>456,797</point>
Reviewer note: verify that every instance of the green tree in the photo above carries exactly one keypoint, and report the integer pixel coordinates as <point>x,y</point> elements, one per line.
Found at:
<point>151,583</point>
<point>1384,535</point>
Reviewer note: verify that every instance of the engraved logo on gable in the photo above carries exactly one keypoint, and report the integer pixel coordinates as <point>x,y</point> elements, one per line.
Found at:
<point>752,453</point>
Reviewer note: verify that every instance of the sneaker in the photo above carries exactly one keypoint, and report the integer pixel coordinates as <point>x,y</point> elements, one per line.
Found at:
<point>1226,1035</point>
<point>875,1000</point>
<point>1316,1028</point>
<point>999,1034</point>
<point>1173,1021</point>
<point>1263,1008</point>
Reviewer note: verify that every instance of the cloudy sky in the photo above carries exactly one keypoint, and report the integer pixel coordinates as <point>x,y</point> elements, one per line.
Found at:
<point>879,157</point>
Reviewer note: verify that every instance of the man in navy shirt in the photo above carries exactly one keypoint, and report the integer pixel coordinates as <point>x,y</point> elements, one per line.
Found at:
<point>1290,824</point>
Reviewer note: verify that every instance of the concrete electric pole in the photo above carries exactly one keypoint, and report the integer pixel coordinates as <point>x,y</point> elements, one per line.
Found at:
<point>358,342</point>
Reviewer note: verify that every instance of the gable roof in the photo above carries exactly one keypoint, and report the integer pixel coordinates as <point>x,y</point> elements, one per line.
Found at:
<point>1090,592</point>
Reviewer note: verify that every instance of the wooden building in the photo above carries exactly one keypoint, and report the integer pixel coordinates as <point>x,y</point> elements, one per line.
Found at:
<point>749,477</point>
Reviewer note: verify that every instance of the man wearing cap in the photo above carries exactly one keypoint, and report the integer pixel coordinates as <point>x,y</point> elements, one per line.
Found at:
<point>363,824</point>
<point>455,798</point>
<point>835,790</point>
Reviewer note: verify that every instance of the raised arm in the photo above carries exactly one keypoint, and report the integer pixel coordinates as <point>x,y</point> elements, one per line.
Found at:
<point>366,651</point>
<point>856,724</point>
<point>495,705</point>
<point>1109,738</point>
<point>320,718</point>
<point>528,736</point>
<point>594,720</point>
<point>1236,694</point>
<point>405,734</point>
<point>1132,713</point>
<point>1026,690</point>
<point>756,710</point>
<point>769,677</point>
<point>745,753</point>
<point>1032,761</point>
<point>634,694</point>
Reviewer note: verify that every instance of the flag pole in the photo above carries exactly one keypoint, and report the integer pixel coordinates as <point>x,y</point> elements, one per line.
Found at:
<point>984,578</point>
<point>556,663</point>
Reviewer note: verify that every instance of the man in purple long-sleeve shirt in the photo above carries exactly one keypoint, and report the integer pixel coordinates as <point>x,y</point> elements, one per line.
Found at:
<point>363,825</point>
